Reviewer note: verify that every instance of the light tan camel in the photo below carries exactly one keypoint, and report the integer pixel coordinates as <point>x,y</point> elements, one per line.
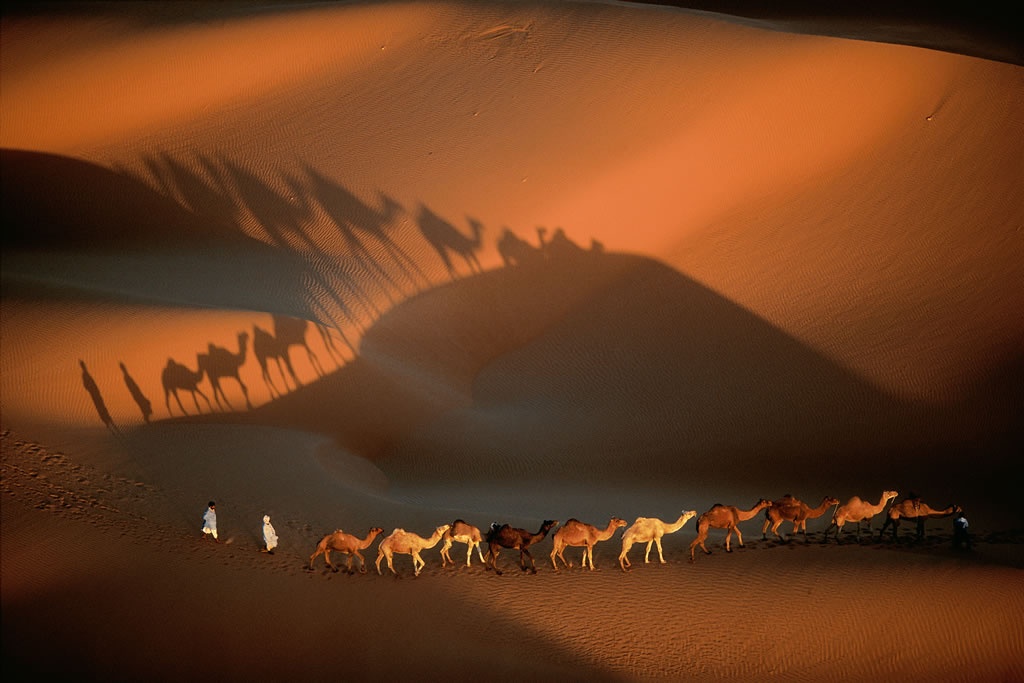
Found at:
<point>219,363</point>
<point>341,542</point>
<point>724,517</point>
<point>404,542</point>
<point>650,530</point>
<point>913,508</point>
<point>793,510</point>
<point>578,534</point>
<point>857,510</point>
<point>463,533</point>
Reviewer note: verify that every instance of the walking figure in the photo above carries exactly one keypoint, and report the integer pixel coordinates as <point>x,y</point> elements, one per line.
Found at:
<point>97,399</point>
<point>210,521</point>
<point>269,535</point>
<point>961,535</point>
<point>140,399</point>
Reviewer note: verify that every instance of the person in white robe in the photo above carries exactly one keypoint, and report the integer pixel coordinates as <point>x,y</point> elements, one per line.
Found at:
<point>210,521</point>
<point>269,535</point>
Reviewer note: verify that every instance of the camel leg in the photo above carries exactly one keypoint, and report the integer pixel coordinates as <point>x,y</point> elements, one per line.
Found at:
<point>314,361</point>
<point>327,558</point>
<point>417,564</point>
<point>362,562</point>
<point>313,557</point>
<point>469,553</point>
<point>764,529</point>
<point>661,558</point>
<point>524,553</point>
<point>647,551</point>
<point>444,553</point>
<point>588,556</point>
<point>699,541</point>
<point>380,556</point>
<point>479,552</point>
<point>623,560</point>
<point>245,392</point>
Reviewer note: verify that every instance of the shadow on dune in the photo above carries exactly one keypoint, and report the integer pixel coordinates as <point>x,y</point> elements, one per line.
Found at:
<point>610,367</point>
<point>100,230</point>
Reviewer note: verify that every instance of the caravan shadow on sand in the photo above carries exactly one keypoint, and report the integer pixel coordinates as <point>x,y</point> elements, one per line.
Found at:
<point>614,367</point>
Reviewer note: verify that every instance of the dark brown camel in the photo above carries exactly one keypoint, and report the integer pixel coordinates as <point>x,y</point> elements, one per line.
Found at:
<point>913,508</point>
<point>219,363</point>
<point>176,376</point>
<point>505,536</point>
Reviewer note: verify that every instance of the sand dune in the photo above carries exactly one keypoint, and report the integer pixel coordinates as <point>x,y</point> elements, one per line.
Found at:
<point>547,260</point>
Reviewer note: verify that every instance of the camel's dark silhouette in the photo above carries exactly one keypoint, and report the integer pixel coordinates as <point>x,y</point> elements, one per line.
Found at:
<point>140,399</point>
<point>274,346</point>
<point>516,251</point>
<point>97,398</point>
<point>219,363</point>
<point>446,239</point>
<point>176,376</point>
<point>912,508</point>
<point>505,536</point>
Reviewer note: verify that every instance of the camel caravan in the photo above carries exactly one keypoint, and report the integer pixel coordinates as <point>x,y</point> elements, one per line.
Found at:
<point>646,530</point>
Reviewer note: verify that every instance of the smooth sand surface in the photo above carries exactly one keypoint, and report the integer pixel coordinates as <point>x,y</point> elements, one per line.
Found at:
<point>553,260</point>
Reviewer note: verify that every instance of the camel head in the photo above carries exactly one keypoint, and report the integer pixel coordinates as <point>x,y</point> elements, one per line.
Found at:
<point>889,495</point>
<point>548,525</point>
<point>687,515</point>
<point>829,501</point>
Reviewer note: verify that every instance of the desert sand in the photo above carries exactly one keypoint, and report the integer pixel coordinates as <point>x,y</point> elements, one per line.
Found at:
<point>384,264</point>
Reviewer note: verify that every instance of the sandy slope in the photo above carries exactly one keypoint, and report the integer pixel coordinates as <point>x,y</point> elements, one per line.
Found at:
<point>787,263</point>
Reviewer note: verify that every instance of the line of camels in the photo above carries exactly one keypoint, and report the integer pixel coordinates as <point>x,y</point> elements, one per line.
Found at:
<point>219,363</point>
<point>649,530</point>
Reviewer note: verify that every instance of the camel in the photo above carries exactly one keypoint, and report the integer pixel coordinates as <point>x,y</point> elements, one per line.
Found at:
<point>578,534</point>
<point>913,508</point>
<point>793,510</point>
<point>219,362</point>
<point>265,348</point>
<point>857,510</point>
<point>505,536</point>
<point>404,542</point>
<point>176,376</point>
<point>445,237</point>
<point>650,530</point>
<point>724,517</point>
<point>463,533</point>
<point>516,252</point>
<point>289,332</point>
<point>341,542</point>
